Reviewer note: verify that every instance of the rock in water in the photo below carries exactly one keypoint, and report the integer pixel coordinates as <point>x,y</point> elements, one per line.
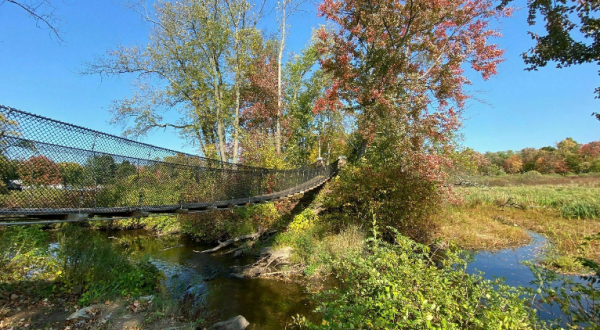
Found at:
<point>237,254</point>
<point>235,323</point>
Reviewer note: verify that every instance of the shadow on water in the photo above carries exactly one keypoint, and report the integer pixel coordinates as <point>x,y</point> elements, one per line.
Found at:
<point>266,304</point>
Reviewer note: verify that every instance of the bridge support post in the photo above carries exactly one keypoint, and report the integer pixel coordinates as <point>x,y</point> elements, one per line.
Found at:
<point>77,217</point>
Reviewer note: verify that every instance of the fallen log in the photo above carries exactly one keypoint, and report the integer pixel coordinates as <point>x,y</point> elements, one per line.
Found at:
<point>221,245</point>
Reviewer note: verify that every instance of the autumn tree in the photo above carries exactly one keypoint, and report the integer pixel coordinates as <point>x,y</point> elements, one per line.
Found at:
<point>568,150</point>
<point>529,157</point>
<point>513,165</point>
<point>399,67</point>
<point>550,162</point>
<point>39,170</point>
<point>590,150</point>
<point>259,108</point>
<point>260,93</point>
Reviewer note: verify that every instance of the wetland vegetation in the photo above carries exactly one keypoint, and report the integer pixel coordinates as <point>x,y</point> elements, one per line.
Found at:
<point>385,244</point>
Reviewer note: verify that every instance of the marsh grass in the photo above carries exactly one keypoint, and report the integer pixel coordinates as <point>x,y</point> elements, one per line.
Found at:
<point>535,179</point>
<point>499,211</point>
<point>573,202</point>
<point>476,230</point>
<point>486,226</point>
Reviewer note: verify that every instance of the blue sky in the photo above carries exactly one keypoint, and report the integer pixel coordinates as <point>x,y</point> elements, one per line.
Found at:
<point>39,75</point>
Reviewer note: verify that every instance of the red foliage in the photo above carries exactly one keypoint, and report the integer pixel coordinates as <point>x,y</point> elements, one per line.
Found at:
<point>399,66</point>
<point>551,163</point>
<point>39,170</point>
<point>260,94</point>
<point>590,150</point>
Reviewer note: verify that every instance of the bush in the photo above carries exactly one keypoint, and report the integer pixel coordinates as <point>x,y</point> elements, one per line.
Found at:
<point>532,174</point>
<point>94,268</point>
<point>262,215</point>
<point>303,221</point>
<point>400,286</point>
<point>24,254</point>
<point>398,198</point>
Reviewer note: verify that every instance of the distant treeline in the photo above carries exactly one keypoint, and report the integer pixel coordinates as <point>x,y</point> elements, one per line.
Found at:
<point>568,156</point>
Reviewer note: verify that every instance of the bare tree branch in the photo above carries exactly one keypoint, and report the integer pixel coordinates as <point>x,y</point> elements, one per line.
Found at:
<point>43,13</point>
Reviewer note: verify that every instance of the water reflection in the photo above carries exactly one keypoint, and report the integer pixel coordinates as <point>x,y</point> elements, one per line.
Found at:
<point>508,263</point>
<point>266,304</point>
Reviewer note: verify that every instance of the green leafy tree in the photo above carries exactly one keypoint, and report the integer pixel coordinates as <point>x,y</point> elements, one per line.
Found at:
<point>193,46</point>
<point>72,174</point>
<point>568,149</point>
<point>101,169</point>
<point>529,157</point>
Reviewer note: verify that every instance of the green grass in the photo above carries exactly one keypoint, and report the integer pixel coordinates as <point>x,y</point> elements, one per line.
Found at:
<point>573,202</point>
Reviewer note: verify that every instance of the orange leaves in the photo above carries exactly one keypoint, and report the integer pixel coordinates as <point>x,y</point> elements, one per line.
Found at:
<point>513,164</point>
<point>39,170</point>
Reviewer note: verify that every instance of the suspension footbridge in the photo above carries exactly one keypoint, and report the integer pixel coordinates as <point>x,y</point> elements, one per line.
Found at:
<point>52,171</point>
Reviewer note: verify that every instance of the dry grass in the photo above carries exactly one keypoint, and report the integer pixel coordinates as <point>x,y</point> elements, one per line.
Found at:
<point>474,230</point>
<point>583,180</point>
<point>488,227</point>
<point>349,240</point>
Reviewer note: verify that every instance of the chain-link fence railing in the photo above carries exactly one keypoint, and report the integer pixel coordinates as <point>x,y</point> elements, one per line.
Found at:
<point>48,167</point>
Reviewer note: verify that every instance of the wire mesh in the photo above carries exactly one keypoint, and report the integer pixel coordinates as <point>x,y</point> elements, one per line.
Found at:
<point>48,167</point>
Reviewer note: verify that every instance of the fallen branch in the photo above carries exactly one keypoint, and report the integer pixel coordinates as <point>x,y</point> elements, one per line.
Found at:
<point>510,203</point>
<point>221,245</point>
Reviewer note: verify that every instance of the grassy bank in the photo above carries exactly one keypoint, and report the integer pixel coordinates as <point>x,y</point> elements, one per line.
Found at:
<point>497,215</point>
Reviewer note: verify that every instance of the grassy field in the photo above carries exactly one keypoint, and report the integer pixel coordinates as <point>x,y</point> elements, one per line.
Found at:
<point>499,213</point>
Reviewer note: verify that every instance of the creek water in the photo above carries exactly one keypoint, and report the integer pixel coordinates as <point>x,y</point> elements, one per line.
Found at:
<point>270,304</point>
<point>266,304</point>
<point>507,263</point>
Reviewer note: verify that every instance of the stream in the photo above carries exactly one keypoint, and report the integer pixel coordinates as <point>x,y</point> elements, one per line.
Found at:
<point>266,304</point>
<point>270,304</point>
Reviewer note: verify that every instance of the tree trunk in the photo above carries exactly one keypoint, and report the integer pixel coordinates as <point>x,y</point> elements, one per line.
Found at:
<point>236,122</point>
<point>279,83</point>
<point>218,84</point>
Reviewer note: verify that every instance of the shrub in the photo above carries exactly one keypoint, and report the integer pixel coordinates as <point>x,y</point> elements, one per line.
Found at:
<point>24,254</point>
<point>400,286</point>
<point>532,174</point>
<point>94,268</point>
<point>261,215</point>
<point>303,221</point>
<point>398,198</point>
